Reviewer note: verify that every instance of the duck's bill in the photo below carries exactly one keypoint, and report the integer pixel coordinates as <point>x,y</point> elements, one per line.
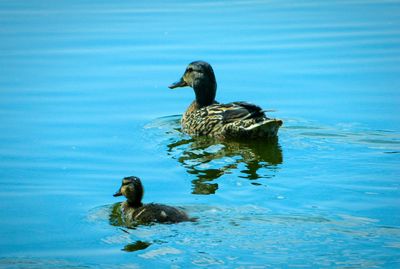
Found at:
<point>180,83</point>
<point>118,193</point>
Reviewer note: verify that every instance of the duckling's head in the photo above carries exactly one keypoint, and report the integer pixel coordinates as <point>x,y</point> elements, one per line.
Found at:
<point>200,76</point>
<point>132,189</point>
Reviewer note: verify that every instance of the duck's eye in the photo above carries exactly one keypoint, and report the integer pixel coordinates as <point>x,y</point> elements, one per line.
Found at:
<point>190,69</point>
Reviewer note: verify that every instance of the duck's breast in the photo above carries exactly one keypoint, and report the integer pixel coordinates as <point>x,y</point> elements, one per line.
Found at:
<point>203,121</point>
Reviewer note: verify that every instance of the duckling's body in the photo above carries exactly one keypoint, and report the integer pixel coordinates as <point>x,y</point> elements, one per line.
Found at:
<point>134,212</point>
<point>205,116</point>
<point>149,213</point>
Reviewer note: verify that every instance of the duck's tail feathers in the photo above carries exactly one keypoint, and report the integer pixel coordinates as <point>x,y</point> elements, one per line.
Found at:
<point>265,128</point>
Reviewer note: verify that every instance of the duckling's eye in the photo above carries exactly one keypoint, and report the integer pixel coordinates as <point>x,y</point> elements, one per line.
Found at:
<point>190,69</point>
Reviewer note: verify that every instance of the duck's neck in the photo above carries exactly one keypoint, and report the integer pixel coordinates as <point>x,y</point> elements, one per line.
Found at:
<point>205,93</point>
<point>134,204</point>
<point>134,194</point>
<point>135,200</point>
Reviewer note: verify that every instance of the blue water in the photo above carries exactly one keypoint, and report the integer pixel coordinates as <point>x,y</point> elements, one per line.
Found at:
<point>84,102</point>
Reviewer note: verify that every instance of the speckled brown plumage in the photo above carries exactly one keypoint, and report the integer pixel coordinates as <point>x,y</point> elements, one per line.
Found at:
<point>207,117</point>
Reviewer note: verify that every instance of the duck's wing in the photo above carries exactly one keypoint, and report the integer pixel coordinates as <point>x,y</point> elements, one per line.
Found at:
<point>237,111</point>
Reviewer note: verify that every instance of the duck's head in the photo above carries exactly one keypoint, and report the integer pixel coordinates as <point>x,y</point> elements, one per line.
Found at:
<point>200,76</point>
<point>132,189</point>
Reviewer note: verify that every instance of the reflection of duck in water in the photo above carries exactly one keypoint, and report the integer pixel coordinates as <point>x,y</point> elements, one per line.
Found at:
<point>208,159</point>
<point>205,116</point>
<point>133,211</point>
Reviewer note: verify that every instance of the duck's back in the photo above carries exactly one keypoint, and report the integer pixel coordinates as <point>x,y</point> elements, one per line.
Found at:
<point>150,213</point>
<point>231,120</point>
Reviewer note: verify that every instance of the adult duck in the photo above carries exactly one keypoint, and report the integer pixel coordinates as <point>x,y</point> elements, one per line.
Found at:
<point>207,117</point>
<point>133,211</point>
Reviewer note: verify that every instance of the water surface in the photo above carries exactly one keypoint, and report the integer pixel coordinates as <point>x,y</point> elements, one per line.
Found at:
<point>84,102</point>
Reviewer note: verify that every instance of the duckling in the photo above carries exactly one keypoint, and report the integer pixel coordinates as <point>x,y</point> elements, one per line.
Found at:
<point>207,117</point>
<point>135,212</point>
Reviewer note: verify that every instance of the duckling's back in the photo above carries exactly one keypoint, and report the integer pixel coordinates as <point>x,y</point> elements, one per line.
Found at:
<point>153,213</point>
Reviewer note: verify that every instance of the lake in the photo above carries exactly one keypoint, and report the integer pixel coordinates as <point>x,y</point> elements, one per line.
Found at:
<point>84,102</point>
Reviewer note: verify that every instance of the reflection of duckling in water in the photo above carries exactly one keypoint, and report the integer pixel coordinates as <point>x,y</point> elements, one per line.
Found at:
<point>134,211</point>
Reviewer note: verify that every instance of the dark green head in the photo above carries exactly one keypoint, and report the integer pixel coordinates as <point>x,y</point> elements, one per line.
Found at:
<point>132,189</point>
<point>200,76</point>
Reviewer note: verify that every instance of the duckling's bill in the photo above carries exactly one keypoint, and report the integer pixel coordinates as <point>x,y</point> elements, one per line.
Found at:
<point>179,83</point>
<point>118,193</point>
